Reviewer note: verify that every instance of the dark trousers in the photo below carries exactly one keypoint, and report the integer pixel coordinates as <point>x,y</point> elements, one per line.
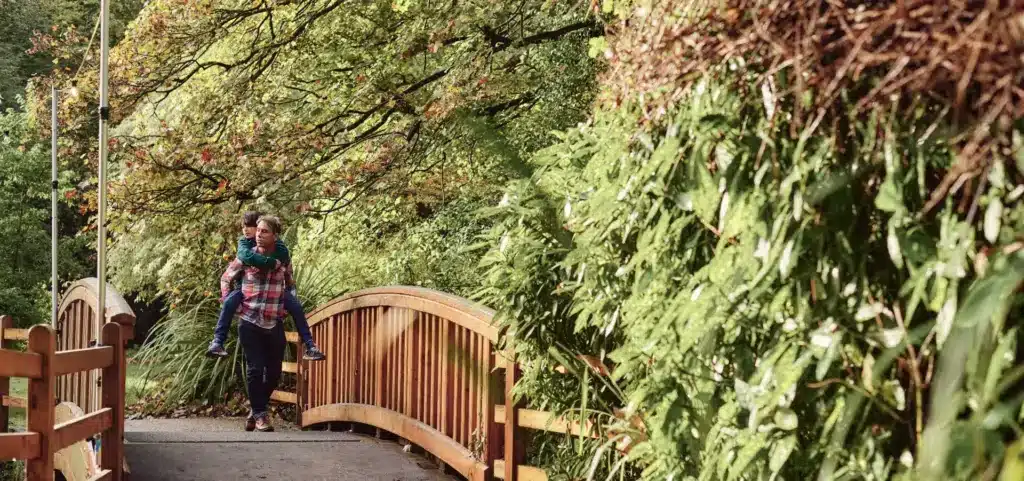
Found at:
<point>264,351</point>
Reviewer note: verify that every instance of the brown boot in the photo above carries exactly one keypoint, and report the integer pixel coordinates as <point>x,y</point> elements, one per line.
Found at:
<point>250,423</point>
<point>263,424</point>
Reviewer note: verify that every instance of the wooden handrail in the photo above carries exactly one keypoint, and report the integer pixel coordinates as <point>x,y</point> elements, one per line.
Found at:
<point>78,360</point>
<point>20,364</point>
<point>19,445</point>
<point>15,334</point>
<point>75,430</point>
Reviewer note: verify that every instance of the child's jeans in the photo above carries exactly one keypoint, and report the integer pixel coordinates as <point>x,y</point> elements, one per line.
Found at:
<point>231,303</point>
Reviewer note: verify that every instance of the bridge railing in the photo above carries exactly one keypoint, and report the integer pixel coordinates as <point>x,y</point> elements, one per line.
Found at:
<point>43,365</point>
<point>423,365</point>
<point>81,363</point>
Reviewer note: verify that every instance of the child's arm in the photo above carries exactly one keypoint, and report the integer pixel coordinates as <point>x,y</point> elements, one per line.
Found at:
<point>248,255</point>
<point>281,252</point>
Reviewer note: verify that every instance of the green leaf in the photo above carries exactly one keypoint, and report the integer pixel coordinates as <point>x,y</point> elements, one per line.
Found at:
<point>786,419</point>
<point>780,452</point>
<point>993,217</point>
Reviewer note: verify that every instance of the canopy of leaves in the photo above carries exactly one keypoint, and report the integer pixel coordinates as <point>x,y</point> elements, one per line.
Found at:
<point>305,108</point>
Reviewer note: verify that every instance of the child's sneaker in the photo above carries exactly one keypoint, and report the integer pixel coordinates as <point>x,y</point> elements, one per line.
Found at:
<point>313,353</point>
<point>216,350</point>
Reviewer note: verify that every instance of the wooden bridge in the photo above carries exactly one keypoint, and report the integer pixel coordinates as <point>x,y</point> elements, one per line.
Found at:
<point>419,364</point>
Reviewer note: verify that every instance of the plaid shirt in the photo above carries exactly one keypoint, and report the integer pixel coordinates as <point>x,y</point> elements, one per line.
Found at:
<point>262,292</point>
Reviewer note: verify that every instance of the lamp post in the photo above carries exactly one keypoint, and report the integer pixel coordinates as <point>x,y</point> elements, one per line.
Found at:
<point>101,218</point>
<point>53,206</point>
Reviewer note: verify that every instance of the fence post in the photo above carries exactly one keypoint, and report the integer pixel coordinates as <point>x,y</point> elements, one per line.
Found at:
<point>514,446</point>
<point>492,383</point>
<point>300,385</point>
<point>111,451</point>
<point>41,402</point>
<point>5,382</point>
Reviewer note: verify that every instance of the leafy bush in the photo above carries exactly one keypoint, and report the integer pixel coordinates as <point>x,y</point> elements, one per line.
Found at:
<point>772,299</point>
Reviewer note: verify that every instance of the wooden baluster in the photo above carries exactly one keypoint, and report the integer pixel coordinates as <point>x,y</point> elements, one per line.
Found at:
<point>112,452</point>
<point>493,431</point>
<point>410,370</point>
<point>421,358</point>
<point>514,446</point>
<point>380,359</point>
<point>331,373</point>
<point>5,382</point>
<point>444,397</point>
<point>474,386</point>
<point>41,401</point>
<point>300,383</point>
<point>460,385</point>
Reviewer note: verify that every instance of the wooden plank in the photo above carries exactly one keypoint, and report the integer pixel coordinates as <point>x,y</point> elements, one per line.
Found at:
<point>11,334</point>
<point>284,396</point>
<point>105,475</point>
<point>444,396</point>
<point>458,457</point>
<point>82,428</point>
<point>291,336</point>
<point>41,395</point>
<point>20,364</point>
<point>332,354</point>
<point>78,360</point>
<point>14,402</point>
<point>524,473</point>
<point>411,378</point>
<point>291,367</point>
<point>544,421</point>
<point>379,360</point>
<point>19,446</point>
<point>514,446</point>
<point>492,449</point>
<point>112,396</point>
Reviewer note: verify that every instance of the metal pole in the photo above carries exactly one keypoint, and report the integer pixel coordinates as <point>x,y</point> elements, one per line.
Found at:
<point>53,207</point>
<point>101,219</point>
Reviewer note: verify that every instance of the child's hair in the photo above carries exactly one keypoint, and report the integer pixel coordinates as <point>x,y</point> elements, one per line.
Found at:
<point>251,218</point>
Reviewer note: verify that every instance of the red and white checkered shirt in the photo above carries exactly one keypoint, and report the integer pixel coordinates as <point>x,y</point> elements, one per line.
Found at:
<point>262,291</point>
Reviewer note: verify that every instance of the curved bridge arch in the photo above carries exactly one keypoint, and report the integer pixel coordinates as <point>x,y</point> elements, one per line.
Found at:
<point>412,361</point>
<point>78,328</point>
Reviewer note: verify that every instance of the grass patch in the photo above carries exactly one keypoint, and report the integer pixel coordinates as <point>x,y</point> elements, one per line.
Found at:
<point>19,388</point>
<point>136,384</point>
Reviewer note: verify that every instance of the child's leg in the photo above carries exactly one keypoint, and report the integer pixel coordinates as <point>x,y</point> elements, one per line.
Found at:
<point>227,311</point>
<point>291,304</point>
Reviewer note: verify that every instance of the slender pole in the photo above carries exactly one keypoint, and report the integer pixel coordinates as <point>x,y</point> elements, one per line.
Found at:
<point>53,207</point>
<point>101,219</point>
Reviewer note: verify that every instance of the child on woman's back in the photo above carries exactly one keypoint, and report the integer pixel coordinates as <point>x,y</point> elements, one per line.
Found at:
<point>247,255</point>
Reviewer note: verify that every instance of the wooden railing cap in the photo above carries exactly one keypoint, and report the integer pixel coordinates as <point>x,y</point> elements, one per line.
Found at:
<point>87,290</point>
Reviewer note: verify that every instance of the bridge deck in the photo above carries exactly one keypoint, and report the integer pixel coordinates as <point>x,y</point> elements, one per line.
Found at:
<point>219,450</point>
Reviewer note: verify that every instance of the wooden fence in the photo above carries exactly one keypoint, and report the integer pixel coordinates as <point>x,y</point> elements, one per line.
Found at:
<point>73,364</point>
<point>43,365</point>
<point>422,365</point>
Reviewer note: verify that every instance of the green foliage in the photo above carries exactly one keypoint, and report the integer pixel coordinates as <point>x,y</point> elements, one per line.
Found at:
<point>25,225</point>
<point>770,306</point>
